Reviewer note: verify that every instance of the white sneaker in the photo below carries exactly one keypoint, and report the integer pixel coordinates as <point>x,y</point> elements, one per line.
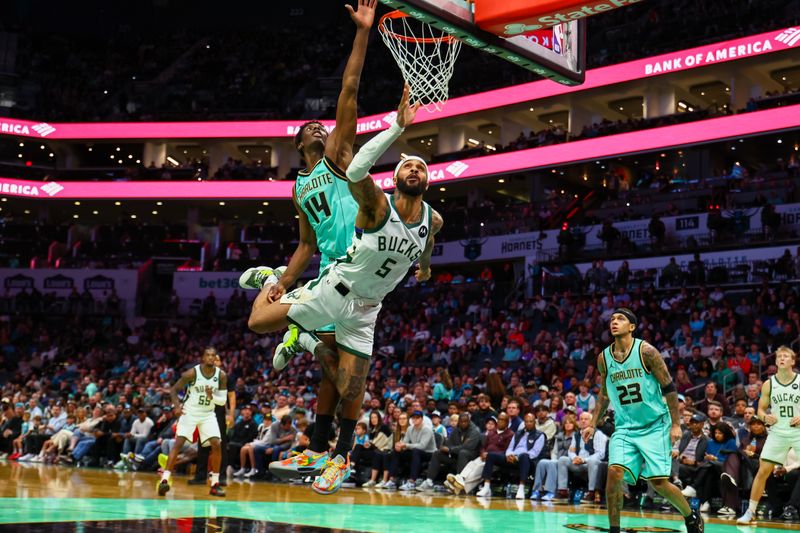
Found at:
<point>521,492</point>
<point>689,492</point>
<point>426,485</point>
<point>250,473</point>
<point>485,492</point>
<point>746,518</point>
<point>408,485</point>
<point>389,485</point>
<point>706,507</point>
<point>239,473</point>
<point>369,485</point>
<point>726,511</point>
<point>450,488</point>
<point>288,348</point>
<point>457,482</point>
<point>380,484</point>
<point>37,459</point>
<point>255,278</point>
<point>25,458</point>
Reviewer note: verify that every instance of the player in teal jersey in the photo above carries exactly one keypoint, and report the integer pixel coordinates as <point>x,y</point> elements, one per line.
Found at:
<point>637,384</point>
<point>326,215</point>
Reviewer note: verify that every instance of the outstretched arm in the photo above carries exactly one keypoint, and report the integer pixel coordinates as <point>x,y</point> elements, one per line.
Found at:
<point>339,147</point>
<point>424,268</point>
<point>371,201</point>
<point>655,364</point>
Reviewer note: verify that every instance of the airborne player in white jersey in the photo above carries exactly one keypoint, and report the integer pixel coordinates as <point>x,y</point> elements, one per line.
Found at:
<point>781,395</point>
<point>206,387</point>
<point>392,233</point>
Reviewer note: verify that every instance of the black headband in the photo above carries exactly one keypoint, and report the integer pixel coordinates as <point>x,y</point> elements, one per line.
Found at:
<point>627,313</point>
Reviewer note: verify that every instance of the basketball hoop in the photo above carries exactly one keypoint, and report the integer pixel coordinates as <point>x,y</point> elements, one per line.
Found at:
<point>426,59</point>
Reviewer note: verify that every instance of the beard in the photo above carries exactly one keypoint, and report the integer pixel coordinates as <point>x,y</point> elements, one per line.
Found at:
<point>411,190</point>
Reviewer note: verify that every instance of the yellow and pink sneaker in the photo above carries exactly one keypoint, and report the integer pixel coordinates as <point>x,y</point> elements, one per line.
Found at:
<point>336,473</point>
<point>303,464</point>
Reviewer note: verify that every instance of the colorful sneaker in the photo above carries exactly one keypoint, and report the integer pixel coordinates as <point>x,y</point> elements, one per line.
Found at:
<point>254,278</point>
<point>216,490</point>
<point>300,465</point>
<point>162,460</point>
<point>163,486</point>
<point>286,350</point>
<point>336,473</point>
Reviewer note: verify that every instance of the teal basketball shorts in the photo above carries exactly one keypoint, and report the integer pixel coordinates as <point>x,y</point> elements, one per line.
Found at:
<point>642,452</point>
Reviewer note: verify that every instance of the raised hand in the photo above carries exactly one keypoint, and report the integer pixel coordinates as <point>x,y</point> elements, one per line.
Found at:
<point>406,112</point>
<point>364,14</point>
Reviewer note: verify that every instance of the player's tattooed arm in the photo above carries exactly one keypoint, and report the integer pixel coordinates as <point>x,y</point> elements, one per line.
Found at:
<point>424,268</point>
<point>184,381</point>
<point>654,363</point>
<point>372,204</point>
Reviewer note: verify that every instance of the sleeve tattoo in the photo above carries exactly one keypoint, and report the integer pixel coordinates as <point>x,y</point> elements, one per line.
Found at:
<point>654,363</point>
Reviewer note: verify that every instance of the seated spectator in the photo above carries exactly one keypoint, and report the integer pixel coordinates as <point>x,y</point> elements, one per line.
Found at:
<point>10,427</point>
<point>105,448</point>
<point>484,411</point>
<point>512,410</point>
<point>139,433</point>
<point>244,431</point>
<point>496,440</point>
<point>381,441</point>
<point>714,417</point>
<point>706,483</point>
<point>545,424</point>
<point>712,394</point>
<point>523,452</point>
<point>583,460</point>
<point>740,468</point>
<point>417,446</point>
<point>460,448</point>
<point>689,453</point>
<point>783,488</point>
<point>253,448</point>
<point>547,470</point>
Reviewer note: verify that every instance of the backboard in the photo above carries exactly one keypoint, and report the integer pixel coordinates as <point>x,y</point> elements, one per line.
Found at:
<point>564,61</point>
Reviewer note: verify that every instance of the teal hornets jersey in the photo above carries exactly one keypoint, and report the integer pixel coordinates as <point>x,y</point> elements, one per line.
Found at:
<point>324,197</point>
<point>634,393</point>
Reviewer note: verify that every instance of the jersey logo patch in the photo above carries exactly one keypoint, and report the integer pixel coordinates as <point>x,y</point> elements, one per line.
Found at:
<point>423,231</point>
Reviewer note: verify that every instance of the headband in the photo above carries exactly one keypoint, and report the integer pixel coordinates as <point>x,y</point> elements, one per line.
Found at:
<point>627,313</point>
<point>409,158</point>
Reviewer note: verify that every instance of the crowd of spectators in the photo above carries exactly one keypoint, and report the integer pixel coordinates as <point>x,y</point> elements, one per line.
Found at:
<point>260,70</point>
<point>458,361</point>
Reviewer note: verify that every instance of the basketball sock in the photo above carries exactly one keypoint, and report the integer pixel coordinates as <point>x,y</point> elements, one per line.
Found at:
<point>345,442</point>
<point>308,341</point>
<point>272,279</point>
<point>165,475</point>
<point>322,429</point>
<point>753,506</point>
<point>214,478</point>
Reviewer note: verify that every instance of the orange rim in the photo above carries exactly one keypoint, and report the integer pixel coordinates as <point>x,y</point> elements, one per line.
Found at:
<point>399,15</point>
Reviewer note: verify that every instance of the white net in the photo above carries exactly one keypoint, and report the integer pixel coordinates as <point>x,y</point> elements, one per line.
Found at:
<point>426,58</point>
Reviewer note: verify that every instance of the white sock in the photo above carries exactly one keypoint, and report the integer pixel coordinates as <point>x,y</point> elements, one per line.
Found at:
<point>214,478</point>
<point>487,484</point>
<point>753,506</point>
<point>308,341</point>
<point>272,279</point>
<point>165,475</point>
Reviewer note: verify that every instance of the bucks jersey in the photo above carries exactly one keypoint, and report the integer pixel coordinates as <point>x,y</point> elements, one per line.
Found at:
<point>196,400</point>
<point>784,402</point>
<point>324,197</point>
<point>379,258</point>
<point>634,393</point>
